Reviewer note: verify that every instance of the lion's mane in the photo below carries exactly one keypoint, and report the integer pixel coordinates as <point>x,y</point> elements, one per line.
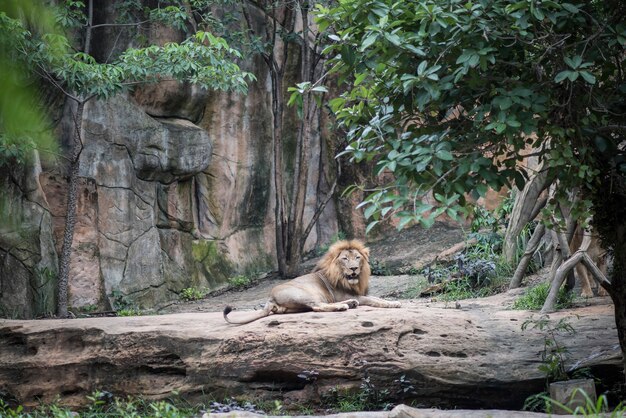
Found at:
<point>329,267</point>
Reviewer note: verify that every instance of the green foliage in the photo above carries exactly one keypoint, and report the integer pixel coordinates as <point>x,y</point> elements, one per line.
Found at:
<point>129,312</point>
<point>440,88</point>
<point>539,402</point>
<point>554,355</point>
<point>193,293</point>
<point>240,281</point>
<point>379,268</point>
<point>478,271</point>
<point>124,305</point>
<point>367,398</point>
<point>599,408</point>
<point>535,297</point>
<point>34,48</point>
<point>23,124</point>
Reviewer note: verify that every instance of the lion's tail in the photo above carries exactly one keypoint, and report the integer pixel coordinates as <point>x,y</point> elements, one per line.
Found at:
<point>266,311</point>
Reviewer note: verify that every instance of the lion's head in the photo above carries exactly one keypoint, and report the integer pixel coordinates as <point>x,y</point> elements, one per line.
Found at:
<point>346,266</point>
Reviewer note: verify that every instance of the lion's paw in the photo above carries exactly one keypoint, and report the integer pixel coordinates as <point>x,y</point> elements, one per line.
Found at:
<point>352,303</point>
<point>395,305</point>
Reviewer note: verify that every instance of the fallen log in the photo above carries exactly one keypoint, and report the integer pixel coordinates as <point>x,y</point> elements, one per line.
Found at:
<point>474,357</point>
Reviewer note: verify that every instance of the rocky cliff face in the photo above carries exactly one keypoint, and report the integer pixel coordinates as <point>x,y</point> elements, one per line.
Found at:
<point>175,192</point>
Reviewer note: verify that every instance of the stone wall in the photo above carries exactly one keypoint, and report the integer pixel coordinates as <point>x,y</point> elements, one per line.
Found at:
<point>175,192</point>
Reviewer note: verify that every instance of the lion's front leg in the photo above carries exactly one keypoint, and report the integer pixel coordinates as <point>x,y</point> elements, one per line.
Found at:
<point>334,307</point>
<point>377,302</point>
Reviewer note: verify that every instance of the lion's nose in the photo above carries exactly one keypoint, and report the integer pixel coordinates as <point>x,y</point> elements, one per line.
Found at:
<point>354,269</point>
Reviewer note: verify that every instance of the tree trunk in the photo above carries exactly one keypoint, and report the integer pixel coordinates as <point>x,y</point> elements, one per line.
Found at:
<point>70,216</point>
<point>618,295</point>
<point>531,247</point>
<point>305,136</point>
<point>279,183</point>
<point>609,220</point>
<point>528,203</point>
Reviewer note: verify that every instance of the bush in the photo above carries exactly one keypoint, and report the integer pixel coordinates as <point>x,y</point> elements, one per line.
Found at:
<point>240,281</point>
<point>192,293</point>
<point>535,297</point>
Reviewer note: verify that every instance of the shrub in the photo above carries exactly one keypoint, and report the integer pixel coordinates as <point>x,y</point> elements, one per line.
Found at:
<point>192,293</point>
<point>535,297</point>
<point>240,281</point>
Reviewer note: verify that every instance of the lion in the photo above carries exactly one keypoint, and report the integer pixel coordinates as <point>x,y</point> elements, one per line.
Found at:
<point>339,282</point>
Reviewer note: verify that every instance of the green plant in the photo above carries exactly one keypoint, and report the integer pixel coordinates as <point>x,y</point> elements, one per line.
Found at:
<point>239,281</point>
<point>534,298</point>
<point>367,398</point>
<point>538,402</point>
<point>104,405</point>
<point>88,308</point>
<point>7,411</point>
<point>129,312</point>
<point>120,300</point>
<point>193,293</point>
<point>554,354</point>
<point>379,268</point>
<point>598,409</point>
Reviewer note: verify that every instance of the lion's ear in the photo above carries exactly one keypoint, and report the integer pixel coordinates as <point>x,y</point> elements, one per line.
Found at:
<point>366,252</point>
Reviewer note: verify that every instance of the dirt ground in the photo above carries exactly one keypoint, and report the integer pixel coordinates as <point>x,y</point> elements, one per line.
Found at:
<point>404,252</point>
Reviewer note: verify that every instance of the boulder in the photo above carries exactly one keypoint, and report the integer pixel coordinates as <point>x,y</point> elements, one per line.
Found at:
<point>476,356</point>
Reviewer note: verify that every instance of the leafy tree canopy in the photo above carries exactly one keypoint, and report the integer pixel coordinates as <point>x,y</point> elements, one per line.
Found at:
<point>449,95</point>
<point>44,51</point>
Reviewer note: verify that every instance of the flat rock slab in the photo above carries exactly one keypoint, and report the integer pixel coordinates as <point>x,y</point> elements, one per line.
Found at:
<point>403,411</point>
<point>473,357</point>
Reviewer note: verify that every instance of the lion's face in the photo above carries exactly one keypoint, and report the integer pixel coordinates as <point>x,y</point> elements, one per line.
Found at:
<point>346,266</point>
<point>350,262</point>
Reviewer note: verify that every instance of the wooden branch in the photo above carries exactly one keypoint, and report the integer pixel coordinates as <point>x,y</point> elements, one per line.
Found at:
<point>565,269</point>
<point>594,270</point>
<point>531,248</point>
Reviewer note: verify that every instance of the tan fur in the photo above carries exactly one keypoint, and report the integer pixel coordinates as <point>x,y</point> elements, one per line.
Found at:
<point>329,267</point>
<point>339,282</point>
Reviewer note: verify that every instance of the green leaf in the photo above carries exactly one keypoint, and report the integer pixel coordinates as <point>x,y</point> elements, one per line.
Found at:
<point>505,103</point>
<point>573,75</point>
<point>369,40</point>
<point>444,155</point>
<point>370,226</point>
<point>562,76</point>
<point>570,8</point>
<point>370,211</point>
<point>589,78</point>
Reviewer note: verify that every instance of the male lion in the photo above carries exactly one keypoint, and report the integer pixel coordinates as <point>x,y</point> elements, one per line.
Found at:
<point>339,282</point>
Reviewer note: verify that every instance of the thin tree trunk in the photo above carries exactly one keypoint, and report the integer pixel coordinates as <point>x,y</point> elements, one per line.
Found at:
<point>72,189</point>
<point>279,183</point>
<point>70,216</point>
<point>528,203</point>
<point>301,168</point>
<point>531,247</point>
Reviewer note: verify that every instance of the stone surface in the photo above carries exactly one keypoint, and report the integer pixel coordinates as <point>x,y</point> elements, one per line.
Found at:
<point>403,411</point>
<point>175,188</point>
<point>473,357</point>
<point>28,260</point>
